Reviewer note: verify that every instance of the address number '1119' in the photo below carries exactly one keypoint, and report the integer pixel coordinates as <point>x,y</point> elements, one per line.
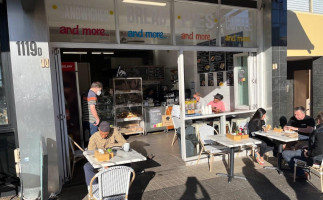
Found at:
<point>26,48</point>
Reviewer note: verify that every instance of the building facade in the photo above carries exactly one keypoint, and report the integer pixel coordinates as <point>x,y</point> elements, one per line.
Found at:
<point>38,30</point>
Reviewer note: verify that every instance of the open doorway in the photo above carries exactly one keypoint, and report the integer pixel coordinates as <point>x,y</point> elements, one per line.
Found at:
<point>302,89</point>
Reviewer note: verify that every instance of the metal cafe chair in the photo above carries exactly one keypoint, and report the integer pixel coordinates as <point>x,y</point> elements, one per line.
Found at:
<point>208,146</point>
<point>77,154</point>
<point>113,183</point>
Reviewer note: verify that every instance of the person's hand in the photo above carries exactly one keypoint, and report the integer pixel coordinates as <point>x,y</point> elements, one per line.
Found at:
<point>305,153</point>
<point>293,128</point>
<point>97,122</point>
<point>286,128</point>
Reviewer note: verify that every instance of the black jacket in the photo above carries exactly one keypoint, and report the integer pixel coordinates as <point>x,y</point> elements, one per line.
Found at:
<point>316,143</point>
<point>254,126</point>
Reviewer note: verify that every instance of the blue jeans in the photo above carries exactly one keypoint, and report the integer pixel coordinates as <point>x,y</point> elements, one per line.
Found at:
<point>91,127</point>
<point>289,156</point>
<point>89,172</point>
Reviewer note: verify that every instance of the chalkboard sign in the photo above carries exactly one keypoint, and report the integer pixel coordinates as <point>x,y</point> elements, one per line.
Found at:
<point>202,79</point>
<point>229,61</point>
<point>217,61</point>
<point>230,80</point>
<point>155,73</point>
<point>155,117</point>
<point>219,78</point>
<point>210,79</point>
<point>203,64</point>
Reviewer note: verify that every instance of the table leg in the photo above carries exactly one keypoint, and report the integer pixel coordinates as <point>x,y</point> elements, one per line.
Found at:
<point>279,160</point>
<point>231,170</point>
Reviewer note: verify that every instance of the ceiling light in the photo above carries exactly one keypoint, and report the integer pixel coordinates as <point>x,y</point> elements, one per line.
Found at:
<point>151,3</point>
<point>74,52</point>
<point>108,52</point>
<point>96,52</point>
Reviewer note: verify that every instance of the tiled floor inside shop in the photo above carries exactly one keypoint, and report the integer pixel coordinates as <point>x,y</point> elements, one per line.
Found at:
<point>167,177</point>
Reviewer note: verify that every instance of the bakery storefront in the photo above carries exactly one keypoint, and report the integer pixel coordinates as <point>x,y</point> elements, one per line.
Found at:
<point>168,50</point>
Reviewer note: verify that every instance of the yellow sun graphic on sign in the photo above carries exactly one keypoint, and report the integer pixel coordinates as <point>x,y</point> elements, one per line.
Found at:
<point>54,7</point>
<point>178,17</point>
<point>215,20</point>
<point>111,12</point>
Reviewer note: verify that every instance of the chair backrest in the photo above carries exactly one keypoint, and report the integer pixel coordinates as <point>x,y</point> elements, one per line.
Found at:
<point>204,132</point>
<point>115,181</point>
<point>176,116</point>
<point>71,142</point>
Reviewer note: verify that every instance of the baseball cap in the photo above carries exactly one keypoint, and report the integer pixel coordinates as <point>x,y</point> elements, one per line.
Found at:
<point>104,126</point>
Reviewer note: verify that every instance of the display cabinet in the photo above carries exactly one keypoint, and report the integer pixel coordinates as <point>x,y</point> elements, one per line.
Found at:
<point>128,107</point>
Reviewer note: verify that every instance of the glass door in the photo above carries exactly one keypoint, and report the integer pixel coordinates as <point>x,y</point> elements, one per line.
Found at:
<point>241,81</point>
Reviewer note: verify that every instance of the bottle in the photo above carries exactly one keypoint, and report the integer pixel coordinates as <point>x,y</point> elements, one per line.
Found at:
<point>240,130</point>
<point>245,131</point>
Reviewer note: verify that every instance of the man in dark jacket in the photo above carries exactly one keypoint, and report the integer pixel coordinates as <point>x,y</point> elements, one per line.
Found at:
<point>315,149</point>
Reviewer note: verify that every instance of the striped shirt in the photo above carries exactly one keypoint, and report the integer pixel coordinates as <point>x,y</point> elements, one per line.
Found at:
<point>88,100</point>
<point>114,139</point>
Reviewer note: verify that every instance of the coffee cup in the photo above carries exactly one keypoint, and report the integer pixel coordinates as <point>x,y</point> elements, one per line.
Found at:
<point>126,147</point>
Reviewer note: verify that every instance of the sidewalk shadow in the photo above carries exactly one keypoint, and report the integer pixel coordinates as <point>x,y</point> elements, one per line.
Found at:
<point>302,188</point>
<point>192,185</point>
<point>140,184</point>
<point>262,186</point>
<point>139,146</point>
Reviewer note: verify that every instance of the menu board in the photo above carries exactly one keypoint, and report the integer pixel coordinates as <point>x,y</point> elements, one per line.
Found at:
<point>210,79</point>
<point>219,78</point>
<point>137,72</point>
<point>217,61</point>
<point>202,79</point>
<point>230,80</point>
<point>203,63</point>
<point>229,61</point>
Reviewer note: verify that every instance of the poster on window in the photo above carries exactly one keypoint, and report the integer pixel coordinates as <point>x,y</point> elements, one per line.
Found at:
<point>219,78</point>
<point>229,61</point>
<point>217,61</point>
<point>203,64</point>
<point>210,79</point>
<point>202,79</point>
<point>230,78</point>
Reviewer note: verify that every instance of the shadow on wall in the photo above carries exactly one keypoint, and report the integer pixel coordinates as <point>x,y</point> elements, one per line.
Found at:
<point>296,36</point>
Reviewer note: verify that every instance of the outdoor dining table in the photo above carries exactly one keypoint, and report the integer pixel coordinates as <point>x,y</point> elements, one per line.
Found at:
<point>222,139</point>
<point>281,139</point>
<point>120,157</point>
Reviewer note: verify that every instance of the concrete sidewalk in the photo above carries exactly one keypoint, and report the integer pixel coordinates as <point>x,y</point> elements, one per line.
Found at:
<point>167,177</point>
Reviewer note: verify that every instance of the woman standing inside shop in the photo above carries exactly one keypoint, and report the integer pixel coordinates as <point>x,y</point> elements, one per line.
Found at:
<point>217,103</point>
<point>257,123</point>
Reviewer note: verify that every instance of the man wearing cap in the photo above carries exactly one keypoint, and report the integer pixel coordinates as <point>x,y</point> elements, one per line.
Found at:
<point>105,138</point>
<point>217,104</point>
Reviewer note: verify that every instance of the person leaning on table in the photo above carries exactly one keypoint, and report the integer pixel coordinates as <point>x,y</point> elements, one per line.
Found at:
<point>105,138</point>
<point>257,123</point>
<point>217,103</point>
<point>301,123</point>
<point>314,151</point>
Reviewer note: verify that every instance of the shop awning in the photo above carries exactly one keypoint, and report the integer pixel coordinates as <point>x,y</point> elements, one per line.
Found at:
<point>304,35</point>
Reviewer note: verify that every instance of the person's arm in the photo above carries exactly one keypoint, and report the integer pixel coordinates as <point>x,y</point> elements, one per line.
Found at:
<point>119,138</point>
<point>95,114</point>
<point>91,145</point>
<point>308,129</point>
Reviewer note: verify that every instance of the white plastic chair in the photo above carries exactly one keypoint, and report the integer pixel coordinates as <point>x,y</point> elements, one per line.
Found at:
<point>113,183</point>
<point>208,146</point>
<point>176,121</point>
<point>77,154</point>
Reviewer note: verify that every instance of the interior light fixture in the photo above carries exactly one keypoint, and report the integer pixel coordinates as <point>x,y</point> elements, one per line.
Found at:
<point>74,52</point>
<point>107,52</point>
<point>150,3</point>
<point>96,52</point>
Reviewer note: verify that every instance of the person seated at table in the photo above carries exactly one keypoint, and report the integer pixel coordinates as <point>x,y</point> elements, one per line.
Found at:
<point>257,123</point>
<point>105,138</point>
<point>199,101</point>
<point>301,123</point>
<point>217,103</point>
<point>314,151</point>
